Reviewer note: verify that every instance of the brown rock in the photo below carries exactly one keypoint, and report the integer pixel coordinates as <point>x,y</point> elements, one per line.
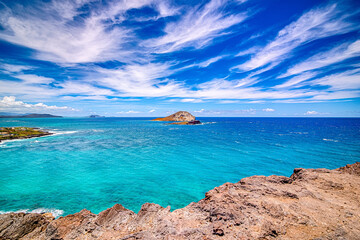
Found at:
<point>311,204</point>
<point>180,116</point>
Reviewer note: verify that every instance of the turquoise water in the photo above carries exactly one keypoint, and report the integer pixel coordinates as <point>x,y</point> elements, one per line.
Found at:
<point>95,163</point>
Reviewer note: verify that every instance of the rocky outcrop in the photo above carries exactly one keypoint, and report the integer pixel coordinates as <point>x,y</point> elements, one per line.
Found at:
<point>180,116</point>
<point>12,133</point>
<point>311,204</point>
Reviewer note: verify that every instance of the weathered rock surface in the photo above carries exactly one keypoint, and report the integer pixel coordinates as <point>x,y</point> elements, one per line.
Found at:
<point>181,116</point>
<point>311,204</point>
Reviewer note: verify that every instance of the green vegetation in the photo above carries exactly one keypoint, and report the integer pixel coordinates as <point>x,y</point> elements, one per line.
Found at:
<point>8,133</point>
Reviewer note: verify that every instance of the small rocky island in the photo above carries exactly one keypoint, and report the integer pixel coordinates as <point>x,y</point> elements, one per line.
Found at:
<point>12,133</point>
<point>180,118</point>
<point>310,204</point>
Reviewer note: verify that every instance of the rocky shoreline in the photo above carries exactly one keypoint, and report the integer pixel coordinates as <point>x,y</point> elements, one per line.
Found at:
<point>310,204</point>
<point>14,133</point>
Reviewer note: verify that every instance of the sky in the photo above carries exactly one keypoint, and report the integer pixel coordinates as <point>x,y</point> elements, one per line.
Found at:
<point>221,58</point>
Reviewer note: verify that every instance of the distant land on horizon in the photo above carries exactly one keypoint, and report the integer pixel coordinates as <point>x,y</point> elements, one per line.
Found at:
<point>31,115</point>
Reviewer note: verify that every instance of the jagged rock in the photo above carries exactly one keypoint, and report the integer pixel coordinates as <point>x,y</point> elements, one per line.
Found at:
<point>311,204</point>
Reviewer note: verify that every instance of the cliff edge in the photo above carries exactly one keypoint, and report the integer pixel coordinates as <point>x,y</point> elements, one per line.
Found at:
<point>310,204</point>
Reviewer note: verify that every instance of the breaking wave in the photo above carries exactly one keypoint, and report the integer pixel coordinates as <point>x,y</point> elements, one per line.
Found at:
<point>55,212</point>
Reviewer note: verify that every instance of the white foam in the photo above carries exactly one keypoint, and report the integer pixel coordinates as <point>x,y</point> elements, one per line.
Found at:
<point>97,130</point>
<point>62,132</point>
<point>55,212</point>
<point>330,140</point>
<point>204,123</point>
<point>12,121</point>
<point>12,140</point>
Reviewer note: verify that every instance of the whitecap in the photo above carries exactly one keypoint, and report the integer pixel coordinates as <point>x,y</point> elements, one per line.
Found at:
<point>62,132</point>
<point>12,121</point>
<point>55,212</point>
<point>12,140</point>
<point>205,123</point>
<point>330,140</point>
<point>97,130</point>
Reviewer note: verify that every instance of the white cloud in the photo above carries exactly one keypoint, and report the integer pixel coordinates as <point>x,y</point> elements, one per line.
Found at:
<point>315,24</point>
<point>268,110</point>
<point>83,88</point>
<point>197,28</point>
<point>9,103</point>
<point>311,113</point>
<point>48,28</point>
<point>152,110</point>
<point>348,80</point>
<point>11,68</point>
<point>78,98</point>
<point>200,111</point>
<point>292,82</point>
<point>128,112</point>
<point>338,95</point>
<point>228,101</point>
<point>142,80</point>
<point>323,59</point>
<point>34,79</point>
<point>242,89</point>
<point>210,61</point>
<point>97,37</point>
<point>193,100</point>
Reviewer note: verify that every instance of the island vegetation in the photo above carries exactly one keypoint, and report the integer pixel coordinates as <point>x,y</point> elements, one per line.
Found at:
<point>11,133</point>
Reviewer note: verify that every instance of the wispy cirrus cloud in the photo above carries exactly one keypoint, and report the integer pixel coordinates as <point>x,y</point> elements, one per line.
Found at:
<point>333,56</point>
<point>347,80</point>
<point>142,80</point>
<point>34,79</point>
<point>290,83</point>
<point>197,27</point>
<point>50,29</point>
<point>169,51</point>
<point>315,24</point>
<point>13,68</point>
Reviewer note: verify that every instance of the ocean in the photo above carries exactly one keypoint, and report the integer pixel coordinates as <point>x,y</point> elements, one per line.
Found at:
<point>94,163</point>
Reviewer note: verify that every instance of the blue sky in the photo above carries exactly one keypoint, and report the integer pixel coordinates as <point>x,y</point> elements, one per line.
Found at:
<point>153,57</point>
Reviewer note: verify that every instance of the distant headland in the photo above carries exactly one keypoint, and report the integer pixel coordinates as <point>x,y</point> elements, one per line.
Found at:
<point>180,118</point>
<point>31,115</point>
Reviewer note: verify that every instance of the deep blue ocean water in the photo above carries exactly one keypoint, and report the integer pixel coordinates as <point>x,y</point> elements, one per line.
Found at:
<point>94,163</point>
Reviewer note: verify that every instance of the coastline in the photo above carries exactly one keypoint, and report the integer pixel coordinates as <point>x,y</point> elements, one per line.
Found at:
<point>42,134</point>
<point>21,133</point>
<point>311,203</point>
